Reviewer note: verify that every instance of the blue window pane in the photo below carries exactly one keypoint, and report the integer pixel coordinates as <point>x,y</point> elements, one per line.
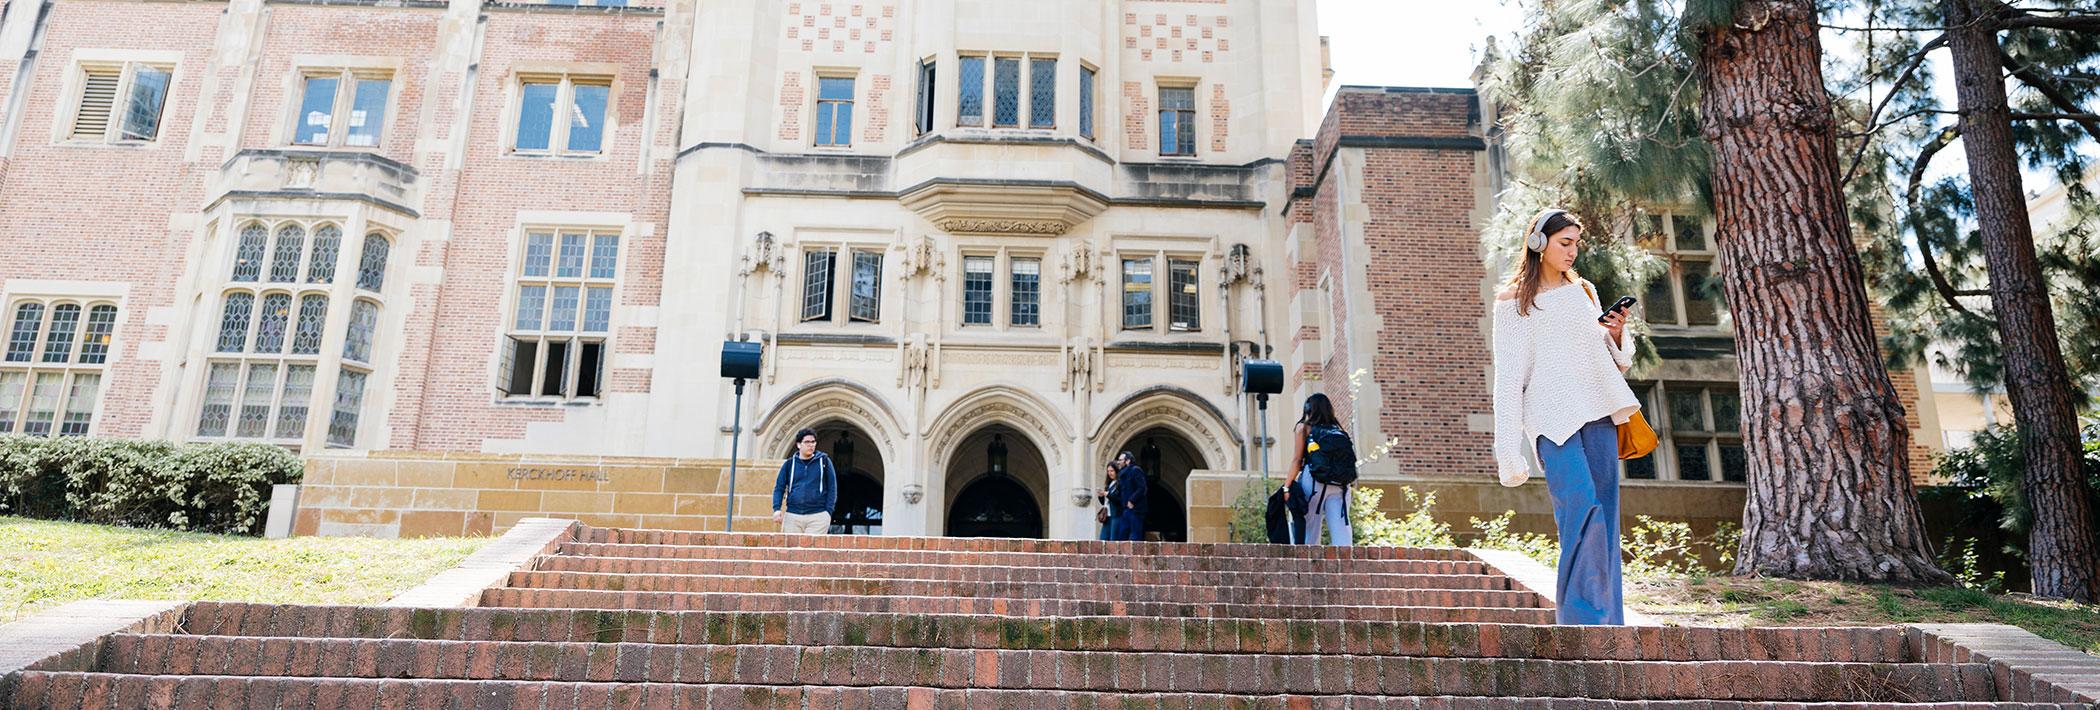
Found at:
<point>316,111</point>
<point>1042,93</point>
<point>532,300</point>
<point>536,116</point>
<point>969,77</point>
<point>571,264</point>
<point>839,88</point>
<point>587,118</point>
<point>367,112</point>
<point>149,91</point>
<point>605,256</point>
<point>539,252</point>
<point>1086,102</point>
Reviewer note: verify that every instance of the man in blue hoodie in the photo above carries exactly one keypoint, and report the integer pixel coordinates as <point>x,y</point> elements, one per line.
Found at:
<point>1131,499</point>
<point>806,490</point>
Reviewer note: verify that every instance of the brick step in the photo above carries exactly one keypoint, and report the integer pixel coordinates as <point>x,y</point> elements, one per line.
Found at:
<point>1119,560</point>
<point>1193,594</point>
<point>702,601</point>
<point>1015,573</point>
<point>106,691</point>
<point>832,628</point>
<point>1152,672</point>
<point>984,544</point>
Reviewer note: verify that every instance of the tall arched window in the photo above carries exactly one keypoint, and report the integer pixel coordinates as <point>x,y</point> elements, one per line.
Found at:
<point>320,266</point>
<point>313,315</point>
<point>371,268</point>
<point>233,322</point>
<point>357,344</point>
<point>51,375</point>
<point>248,255</point>
<point>269,328</point>
<point>284,262</point>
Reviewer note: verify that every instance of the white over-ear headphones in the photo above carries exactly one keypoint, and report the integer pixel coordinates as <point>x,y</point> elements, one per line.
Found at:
<point>1536,240</point>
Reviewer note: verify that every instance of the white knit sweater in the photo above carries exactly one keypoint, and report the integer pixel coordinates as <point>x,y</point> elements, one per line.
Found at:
<point>1552,376</point>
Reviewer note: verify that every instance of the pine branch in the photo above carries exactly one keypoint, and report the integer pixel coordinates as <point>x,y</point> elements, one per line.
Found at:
<point>2009,17</point>
<point>2080,117</point>
<point>2027,75</point>
<point>1917,59</point>
<point>1946,290</point>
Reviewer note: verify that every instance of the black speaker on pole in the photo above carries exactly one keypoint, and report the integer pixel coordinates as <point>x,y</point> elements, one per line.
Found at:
<point>740,360</point>
<point>1262,376</point>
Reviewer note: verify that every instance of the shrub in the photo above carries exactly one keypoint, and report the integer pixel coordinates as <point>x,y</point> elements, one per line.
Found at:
<point>1418,528</point>
<point>1993,467</point>
<point>220,488</point>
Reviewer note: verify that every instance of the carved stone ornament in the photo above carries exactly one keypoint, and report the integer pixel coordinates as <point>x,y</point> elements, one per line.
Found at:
<point>913,493</point>
<point>1003,226</point>
<point>1047,209</point>
<point>763,253</point>
<point>1078,264</point>
<point>922,257</point>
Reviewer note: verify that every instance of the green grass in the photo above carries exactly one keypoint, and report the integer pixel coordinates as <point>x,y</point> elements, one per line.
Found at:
<point>1737,601</point>
<point>45,563</point>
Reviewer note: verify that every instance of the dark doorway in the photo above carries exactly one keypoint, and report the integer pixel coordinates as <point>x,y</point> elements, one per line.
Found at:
<point>859,509</point>
<point>995,506</point>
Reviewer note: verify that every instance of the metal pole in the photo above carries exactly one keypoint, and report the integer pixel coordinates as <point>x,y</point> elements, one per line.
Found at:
<point>736,429</point>
<point>1263,400</point>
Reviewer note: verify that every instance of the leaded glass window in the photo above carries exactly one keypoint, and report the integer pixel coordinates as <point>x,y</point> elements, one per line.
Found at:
<point>835,111</point>
<point>349,397</point>
<point>51,376</point>
<point>233,322</point>
<point>219,387</point>
<point>291,411</point>
<point>1699,428</point>
<point>364,318</point>
<point>248,256</point>
<point>313,317</point>
<point>371,265</point>
<point>562,312</point>
<point>284,262</point>
<point>320,267</point>
<point>21,340</point>
<point>1042,93</point>
<point>816,284</point>
<point>969,99</point>
<point>1006,91</point>
<point>94,349</point>
<point>58,340</point>
<point>254,420</point>
<point>1086,102</point>
<point>43,403</point>
<point>80,404</point>
<point>867,286</point>
<point>270,326</point>
<point>1177,121</point>
<point>1184,311</point>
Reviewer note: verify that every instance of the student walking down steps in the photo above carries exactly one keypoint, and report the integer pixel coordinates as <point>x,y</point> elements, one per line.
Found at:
<point>1560,387</point>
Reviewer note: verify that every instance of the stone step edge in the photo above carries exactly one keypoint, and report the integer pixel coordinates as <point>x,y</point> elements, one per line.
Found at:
<point>591,534</point>
<point>966,573</point>
<point>1010,602</point>
<point>990,632</point>
<point>60,689</point>
<point>491,565</point>
<point>1406,554</point>
<point>537,579</point>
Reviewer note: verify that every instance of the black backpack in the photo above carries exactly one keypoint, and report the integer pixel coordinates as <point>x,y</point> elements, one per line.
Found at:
<point>1333,461</point>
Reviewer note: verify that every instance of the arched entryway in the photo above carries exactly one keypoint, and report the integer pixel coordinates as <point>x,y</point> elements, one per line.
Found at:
<point>860,476</point>
<point>1167,458</point>
<point>998,484</point>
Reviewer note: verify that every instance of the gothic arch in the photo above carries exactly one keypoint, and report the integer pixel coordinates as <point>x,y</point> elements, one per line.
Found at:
<point>831,399</point>
<point>998,404</point>
<point>1174,409</point>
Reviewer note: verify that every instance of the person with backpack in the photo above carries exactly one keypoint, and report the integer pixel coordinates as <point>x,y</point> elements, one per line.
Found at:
<point>1105,516</point>
<point>806,490</point>
<point>1560,390</point>
<point>1323,469</point>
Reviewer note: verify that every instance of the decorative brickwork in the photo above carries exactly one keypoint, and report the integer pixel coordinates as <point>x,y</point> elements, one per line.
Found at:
<point>1220,118</point>
<point>1136,116</point>
<point>791,99</point>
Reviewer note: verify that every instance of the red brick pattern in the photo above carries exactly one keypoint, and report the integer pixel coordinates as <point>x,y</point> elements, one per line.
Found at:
<point>1220,118</point>
<point>1136,117</point>
<point>840,27</point>
<point>791,98</point>
<point>878,112</point>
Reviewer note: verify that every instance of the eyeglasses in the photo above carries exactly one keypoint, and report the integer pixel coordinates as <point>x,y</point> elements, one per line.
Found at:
<point>807,442</point>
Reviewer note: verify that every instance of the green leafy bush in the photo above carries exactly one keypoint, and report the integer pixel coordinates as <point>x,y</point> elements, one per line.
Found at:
<point>1495,534</point>
<point>1993,468</point>
<point>221,488</point>
<point>1418,528</point>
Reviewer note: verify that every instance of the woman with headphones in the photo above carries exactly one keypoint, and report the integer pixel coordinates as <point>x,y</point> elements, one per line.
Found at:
<point>1560,389</point>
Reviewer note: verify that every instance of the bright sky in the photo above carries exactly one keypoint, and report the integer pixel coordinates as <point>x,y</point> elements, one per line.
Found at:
<point>1412,42</point>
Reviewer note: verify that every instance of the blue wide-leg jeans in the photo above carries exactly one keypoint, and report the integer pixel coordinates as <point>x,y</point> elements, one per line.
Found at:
<point>1582,474</point>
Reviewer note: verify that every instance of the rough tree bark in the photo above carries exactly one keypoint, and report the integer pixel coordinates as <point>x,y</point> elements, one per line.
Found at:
<point>1830,495</point>
<point>2063,548</point>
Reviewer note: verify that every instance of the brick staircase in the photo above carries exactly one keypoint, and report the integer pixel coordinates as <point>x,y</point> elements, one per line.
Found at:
<point>614,618</point>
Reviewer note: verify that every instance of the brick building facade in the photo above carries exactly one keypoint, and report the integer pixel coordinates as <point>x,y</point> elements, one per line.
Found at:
<point>986,245</point>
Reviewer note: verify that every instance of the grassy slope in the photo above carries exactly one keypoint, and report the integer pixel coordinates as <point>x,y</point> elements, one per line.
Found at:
<point>1736,601</point>
<point>45,563</point>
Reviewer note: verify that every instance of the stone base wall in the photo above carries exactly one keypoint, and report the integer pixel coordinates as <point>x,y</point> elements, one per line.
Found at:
<point>1457,500</point>
<point>423,494</point>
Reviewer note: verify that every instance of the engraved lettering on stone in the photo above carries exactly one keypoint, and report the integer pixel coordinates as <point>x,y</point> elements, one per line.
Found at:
<point>529,473</point>
<point>1004,226</point>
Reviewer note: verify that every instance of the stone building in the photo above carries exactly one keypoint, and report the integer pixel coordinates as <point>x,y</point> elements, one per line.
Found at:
<point>476,259</point>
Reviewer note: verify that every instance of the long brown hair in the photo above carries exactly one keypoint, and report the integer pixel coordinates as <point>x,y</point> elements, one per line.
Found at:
<point>1533,265</point>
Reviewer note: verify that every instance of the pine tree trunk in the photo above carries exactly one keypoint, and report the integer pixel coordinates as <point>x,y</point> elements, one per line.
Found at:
<point>1830,495</point>
<point>2063,547</point>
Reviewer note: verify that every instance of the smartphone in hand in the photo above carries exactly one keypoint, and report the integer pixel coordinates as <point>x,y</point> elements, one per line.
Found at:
<point>1624,303</point>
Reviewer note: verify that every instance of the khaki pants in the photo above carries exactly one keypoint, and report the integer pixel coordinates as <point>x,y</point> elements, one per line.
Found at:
<point>811,524</point>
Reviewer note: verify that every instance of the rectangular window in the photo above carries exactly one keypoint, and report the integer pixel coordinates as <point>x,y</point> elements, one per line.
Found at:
<point>563,115</point>
<point>341,108</point>
<point>1700,432</point>
<point>835,111</point>
<point>1702,293</point>
<point>121,101</point>
<point>1086,102</point>
<point>977,290</point>
<point>969,83</point>
<point>349,397</point>
<point>556,347</point>
<point>1026,299</point>
<point>1688,294</point>
<point>867,287</point>
<point>816,284</point>
<point>1177,121</point>
<point>1042,92</point>
<point>1183,308</point>
<point>922,119</point>
<point>51,377</point>
<point>1137,294</point>
<point>1006,92</point>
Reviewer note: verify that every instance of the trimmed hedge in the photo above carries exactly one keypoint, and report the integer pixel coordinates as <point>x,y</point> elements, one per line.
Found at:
<point>216,488</point>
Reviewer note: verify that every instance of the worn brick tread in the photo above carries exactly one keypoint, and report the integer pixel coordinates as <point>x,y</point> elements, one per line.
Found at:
<point>995,557</point>
<point>705,601</point>
<point>1471,579</point>
<point>1076,591</point>
<point>99,691</point>
<point>831,628</point>
<point>759,664</point>
<point>958,544</point>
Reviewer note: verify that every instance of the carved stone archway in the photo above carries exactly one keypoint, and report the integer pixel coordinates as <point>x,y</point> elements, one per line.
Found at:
<point>1177,410</point>
<point>1026,413</point>
<point>830,400</point>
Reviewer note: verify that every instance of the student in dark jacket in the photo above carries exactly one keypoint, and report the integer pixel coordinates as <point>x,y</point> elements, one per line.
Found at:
<point>807,489</point>
<point>1129,498</point>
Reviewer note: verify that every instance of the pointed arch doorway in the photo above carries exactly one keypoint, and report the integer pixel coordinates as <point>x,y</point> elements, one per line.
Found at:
<point>998,484</point>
